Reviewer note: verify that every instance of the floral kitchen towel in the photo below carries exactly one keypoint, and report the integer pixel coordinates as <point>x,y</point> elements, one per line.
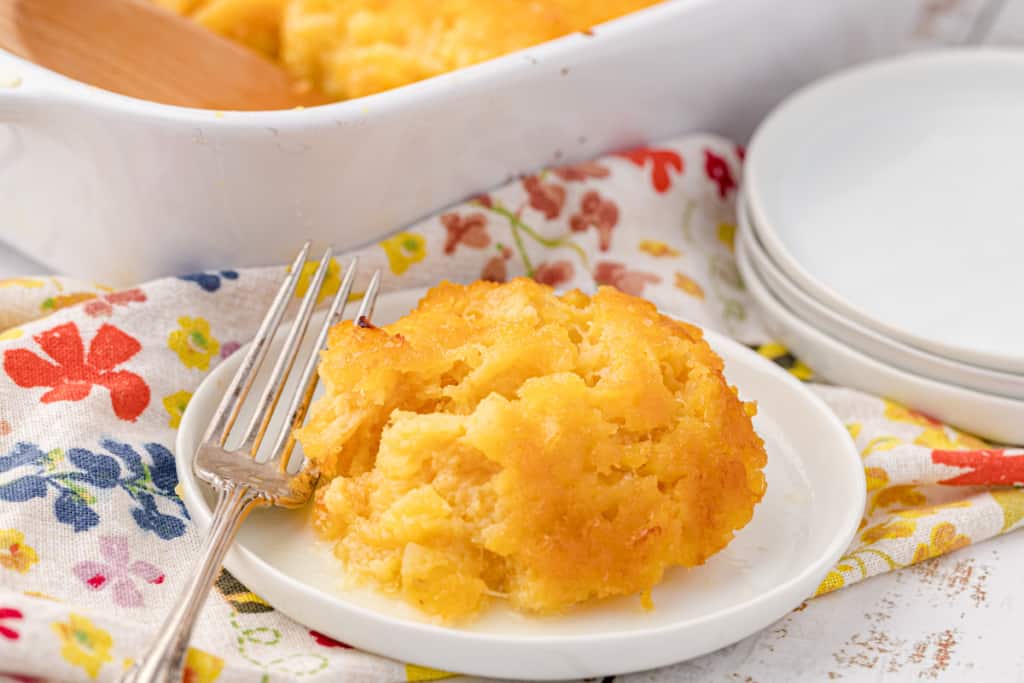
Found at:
<point>95,543</point>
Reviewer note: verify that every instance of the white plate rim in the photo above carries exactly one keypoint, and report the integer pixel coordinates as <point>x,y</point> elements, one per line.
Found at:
<point>865,339</point>
<point>773,243</point>
<point>250,569</point>
<point>993,412</point>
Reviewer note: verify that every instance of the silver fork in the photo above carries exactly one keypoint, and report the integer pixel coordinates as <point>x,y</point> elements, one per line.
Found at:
<point>241,482</point>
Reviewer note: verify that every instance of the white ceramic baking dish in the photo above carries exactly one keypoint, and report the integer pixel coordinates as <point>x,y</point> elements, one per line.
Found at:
<point>121,190</point>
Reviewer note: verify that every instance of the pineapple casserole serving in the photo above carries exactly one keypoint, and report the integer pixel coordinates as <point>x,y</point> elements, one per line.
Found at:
<point>350,48</point>
<point>503,441</point>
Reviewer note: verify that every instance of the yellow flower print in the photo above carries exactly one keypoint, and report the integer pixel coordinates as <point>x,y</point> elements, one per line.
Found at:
<point>832,581</point>
<point>1012,503</point>
<point>331,281</point>
<point>890,529</point>
<point>929,510</point>
<point>781,355</point>
<point>55,303</point>
<point>657,249</point>
<point>727,235</point>
<point>968,441</point>
<point>26,282</point>
<point>193,343</point>
<point>801,371</point>
<point>201,667</point>
<point>13,333</point>
<point>14,554</point>
<point>84,644</point>
<point>880,443</point>
<point>938,438</point>
<point>689,286</point>
<point>907,496</point>
<point>854,428</point>
<point>41,596</point>
<point>899,413</point>
<point>175,405</point>
<point>876,478</point>
<point>423,673</point>
<point>403,250</point>
<point>944,539</point>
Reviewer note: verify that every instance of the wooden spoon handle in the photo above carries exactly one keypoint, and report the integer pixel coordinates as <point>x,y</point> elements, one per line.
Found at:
<point>136,48</point>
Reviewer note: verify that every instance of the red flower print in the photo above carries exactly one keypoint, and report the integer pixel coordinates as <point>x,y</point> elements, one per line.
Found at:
<point>598,212</point>
<point>717,170</point>
<point>327,641</point>
<point>470,230</point>
<point>547,198</point>
<point>987,467</point>
<point>741,152</point>
<point>620,277</point>
<point>483,200</point>
<point>9,613</point>
<point>73,373</point>
<point>104,306</point>
<point>661,161</point>
<point>580,172</point>
<point>554,273</point>
<point>495,270</point>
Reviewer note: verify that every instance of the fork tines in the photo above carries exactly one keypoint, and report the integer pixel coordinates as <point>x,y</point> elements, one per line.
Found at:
<point>252,437</point>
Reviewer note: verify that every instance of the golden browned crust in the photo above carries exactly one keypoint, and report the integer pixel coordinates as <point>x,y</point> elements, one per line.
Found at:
<point>502,440</point>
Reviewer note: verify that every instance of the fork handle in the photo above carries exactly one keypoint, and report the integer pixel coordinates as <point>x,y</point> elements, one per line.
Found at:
<point>164,661</point>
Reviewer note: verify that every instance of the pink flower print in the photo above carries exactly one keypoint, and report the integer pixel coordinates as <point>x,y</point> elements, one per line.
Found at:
<point>554,273</point>
<point>470,230</point>
<point>596,211</point>
<point>117,572</point>
<point>228,348</point>
<point>717,170</point>
<point>7,613</point>
<point>580,172</point>
<point>495,269</point>
<point>548,198</point>
<point>104,305</point>
<point>620,277</point>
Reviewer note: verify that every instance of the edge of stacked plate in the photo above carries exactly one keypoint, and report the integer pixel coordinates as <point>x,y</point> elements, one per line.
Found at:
<point>901,228</point>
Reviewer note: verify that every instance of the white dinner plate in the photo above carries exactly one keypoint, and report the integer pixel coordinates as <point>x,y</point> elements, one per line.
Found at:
<point>866,339</point>
<point>891,193</point>
<point>995,418</point>
<point>806,520</point>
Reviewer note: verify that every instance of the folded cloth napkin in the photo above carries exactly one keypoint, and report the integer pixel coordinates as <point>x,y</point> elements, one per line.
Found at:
<point>95,544</point>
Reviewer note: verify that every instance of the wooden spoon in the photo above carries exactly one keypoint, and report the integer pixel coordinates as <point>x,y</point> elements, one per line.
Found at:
<point>136,48</point>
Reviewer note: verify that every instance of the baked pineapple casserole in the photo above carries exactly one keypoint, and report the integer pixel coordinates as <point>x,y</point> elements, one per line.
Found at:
<point>503,441</point>
<point>351,48</point>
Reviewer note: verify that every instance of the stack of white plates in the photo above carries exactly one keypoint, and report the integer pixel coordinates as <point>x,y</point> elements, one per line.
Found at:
<point>882,233</point>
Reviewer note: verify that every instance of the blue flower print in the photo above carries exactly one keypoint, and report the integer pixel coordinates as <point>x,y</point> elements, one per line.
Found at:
<point>149,518</point>
<point>73,509</point>
<point>79,476</point>
<point>210,282</point>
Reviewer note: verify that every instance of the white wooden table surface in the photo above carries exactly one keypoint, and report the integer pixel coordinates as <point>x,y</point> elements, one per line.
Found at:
<point>954,618</point>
